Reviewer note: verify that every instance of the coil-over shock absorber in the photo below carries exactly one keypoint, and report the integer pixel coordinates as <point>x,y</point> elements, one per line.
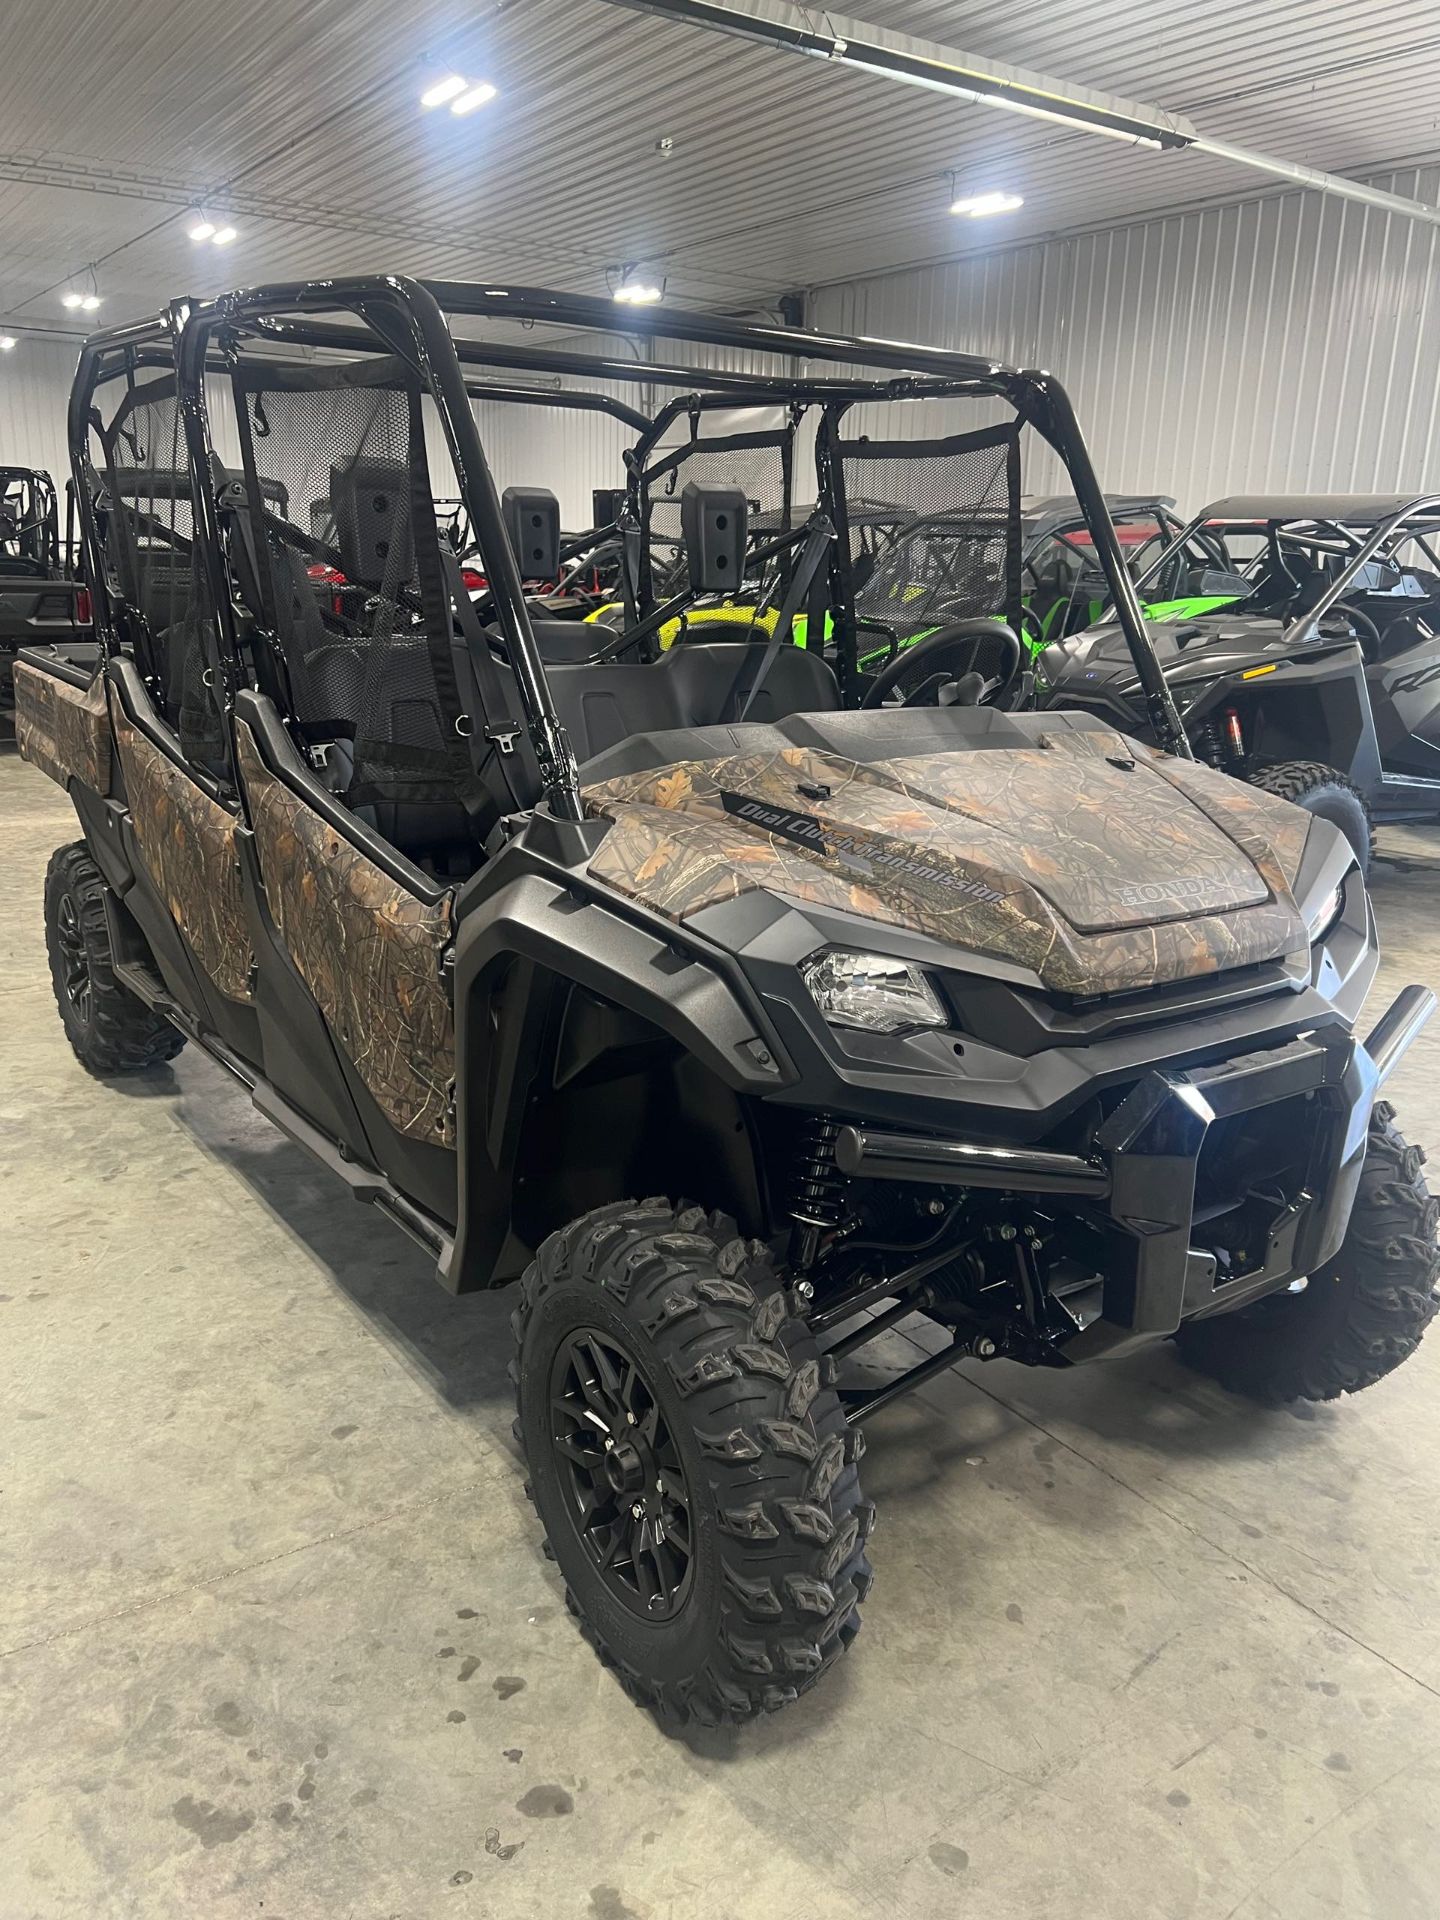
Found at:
<point>817,1192</point>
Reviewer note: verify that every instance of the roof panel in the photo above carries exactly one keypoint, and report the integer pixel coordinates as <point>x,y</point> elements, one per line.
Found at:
<point>301,116</point>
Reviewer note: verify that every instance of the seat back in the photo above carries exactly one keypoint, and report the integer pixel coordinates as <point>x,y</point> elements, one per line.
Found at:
<point>712,681</point>
<point>695,684</point>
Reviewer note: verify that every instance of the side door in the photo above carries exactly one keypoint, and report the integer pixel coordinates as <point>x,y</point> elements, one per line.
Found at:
<point>170,827</point>
<point>175,839</point>
<point>352,986</point>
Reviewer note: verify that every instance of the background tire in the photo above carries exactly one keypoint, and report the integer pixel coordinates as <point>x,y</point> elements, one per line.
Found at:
<point>1324,791</point>
<point>778,1527</point>
<point>1360,1316</point>
<point>110,1030</point>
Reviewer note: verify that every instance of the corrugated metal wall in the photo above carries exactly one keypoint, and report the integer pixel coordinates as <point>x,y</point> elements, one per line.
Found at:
<point>1284,341</point>
<point>1289,341</point>
<point>34,394</point>
<point>35,384</point>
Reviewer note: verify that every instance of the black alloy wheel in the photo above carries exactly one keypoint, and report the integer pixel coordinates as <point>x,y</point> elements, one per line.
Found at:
<point>74,960</point>
<point>630,1503</point>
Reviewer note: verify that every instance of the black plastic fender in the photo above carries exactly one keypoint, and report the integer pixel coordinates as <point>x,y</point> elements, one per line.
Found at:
<point>559,933</point>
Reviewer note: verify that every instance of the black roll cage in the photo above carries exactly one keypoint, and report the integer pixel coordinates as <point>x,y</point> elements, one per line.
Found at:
<point>44,516</point>
<point>412,320</point>
<point>1323,536</point>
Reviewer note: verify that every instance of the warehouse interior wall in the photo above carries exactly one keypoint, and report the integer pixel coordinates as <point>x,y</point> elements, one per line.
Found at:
<point>1282,342</point>
<point>35,382</point>
<point>1285,341</point>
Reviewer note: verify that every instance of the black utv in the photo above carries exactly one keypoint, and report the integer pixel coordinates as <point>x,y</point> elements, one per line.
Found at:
<point>40,599</point>
<point>1300,635</point>
<point>731,1019</point>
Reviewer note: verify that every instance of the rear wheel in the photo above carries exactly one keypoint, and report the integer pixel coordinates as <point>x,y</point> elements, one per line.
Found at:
<point>1359,1317</point>
<point>1325,791</point>
<point>689,1461</point>
<point>110,1030</point>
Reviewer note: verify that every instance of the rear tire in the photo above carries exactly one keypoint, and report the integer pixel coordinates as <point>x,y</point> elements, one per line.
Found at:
<point>110,1030</point>
<point>1324,791</point>
<point>740,1454</point>
<point>1360,1316</point>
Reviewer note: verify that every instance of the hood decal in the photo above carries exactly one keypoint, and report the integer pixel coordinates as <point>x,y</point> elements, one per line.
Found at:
<point>1080,856</point>
<point>866,858</point>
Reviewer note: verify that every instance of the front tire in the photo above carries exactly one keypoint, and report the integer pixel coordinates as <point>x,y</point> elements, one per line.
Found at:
<point>110,1030</point>
<point>689,1461</point>
<point>1360,1316</point>
<point>1324,791</point>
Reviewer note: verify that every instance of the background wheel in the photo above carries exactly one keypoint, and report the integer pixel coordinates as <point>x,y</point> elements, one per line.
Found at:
<point>1360,1316</point>
<point>689,1462</point>
<point>1323,790</point>
<point>110,1030</point>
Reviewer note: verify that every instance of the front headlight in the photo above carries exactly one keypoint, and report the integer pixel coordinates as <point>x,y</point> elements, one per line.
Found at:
<point>1327,912</point>
<point>872,992</point>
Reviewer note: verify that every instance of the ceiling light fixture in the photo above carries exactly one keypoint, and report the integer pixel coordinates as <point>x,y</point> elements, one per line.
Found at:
<point>443,90</point>
<point>475,96</point>
<point>977,205</point>
<point>216,229</point>
<point>7,341</point>
<point>638,293</point>
<point>71,299</point>
<point>89,302</point>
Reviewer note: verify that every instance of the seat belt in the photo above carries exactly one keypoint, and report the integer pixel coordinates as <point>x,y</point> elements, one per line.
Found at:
<point>499,730</point>
<point>820,535</point>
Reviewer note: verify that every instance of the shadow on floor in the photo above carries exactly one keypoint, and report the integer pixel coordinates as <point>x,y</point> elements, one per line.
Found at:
<point>459,1345</point>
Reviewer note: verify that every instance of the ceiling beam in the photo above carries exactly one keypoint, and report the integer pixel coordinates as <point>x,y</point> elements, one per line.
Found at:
<point>990,83</point>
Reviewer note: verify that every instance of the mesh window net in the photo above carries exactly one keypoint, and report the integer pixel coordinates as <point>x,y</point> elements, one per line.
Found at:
<point>153,562</point>
<point>934,530</point>
<point>758,464</point>
<point>341,560</point>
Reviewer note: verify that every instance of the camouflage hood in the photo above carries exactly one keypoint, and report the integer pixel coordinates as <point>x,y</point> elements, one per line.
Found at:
<point>1101,865</point>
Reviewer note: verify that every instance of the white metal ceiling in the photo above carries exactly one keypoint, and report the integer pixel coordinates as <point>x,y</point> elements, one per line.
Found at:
<point>301,116</point>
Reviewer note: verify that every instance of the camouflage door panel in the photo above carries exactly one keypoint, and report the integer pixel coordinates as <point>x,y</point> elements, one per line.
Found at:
<point>187,842</point>
<point>60,729</point>
<point>368,950</point>
<point>1040,856</point>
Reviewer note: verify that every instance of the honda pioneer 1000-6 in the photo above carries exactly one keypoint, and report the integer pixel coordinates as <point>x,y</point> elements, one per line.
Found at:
<point>730,1018</point>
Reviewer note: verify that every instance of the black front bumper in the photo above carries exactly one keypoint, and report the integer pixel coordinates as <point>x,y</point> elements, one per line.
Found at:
<point>1160,1145</point>
<point>1160,1178</point>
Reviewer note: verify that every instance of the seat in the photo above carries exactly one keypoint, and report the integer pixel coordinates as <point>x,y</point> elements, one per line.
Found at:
<point>695,684</point>
<point>563,642</point>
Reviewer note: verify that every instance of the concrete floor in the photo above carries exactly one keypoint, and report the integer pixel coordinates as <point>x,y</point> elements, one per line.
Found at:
<point>278,1641</point>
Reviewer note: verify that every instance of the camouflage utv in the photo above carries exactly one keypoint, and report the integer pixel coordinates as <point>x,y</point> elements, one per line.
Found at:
<point>735,1020</point>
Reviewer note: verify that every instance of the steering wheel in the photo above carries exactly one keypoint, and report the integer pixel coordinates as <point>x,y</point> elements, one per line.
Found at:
<point>1365,628</point>
<point>962,637</point>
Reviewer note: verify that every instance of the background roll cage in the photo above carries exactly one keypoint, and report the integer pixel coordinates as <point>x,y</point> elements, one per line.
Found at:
<point>408,318</point>
<point>42,524</point>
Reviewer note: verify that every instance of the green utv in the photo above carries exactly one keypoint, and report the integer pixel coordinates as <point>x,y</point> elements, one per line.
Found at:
<point>731,1005</point>
<point>1300,637</point>
<point>940,566</point>
<point>914,571</point>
